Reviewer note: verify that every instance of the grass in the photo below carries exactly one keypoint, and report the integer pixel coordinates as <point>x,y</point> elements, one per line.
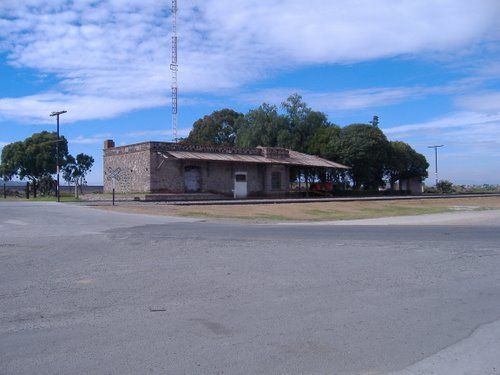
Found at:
<point>317,211</point>
<point>64,198</point>
<point>365,213</point>
<point>212,215</point>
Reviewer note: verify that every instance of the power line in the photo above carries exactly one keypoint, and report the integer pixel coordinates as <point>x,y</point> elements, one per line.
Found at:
<point>435,147</point>
<point>57,114</point>
<point>174,69</point>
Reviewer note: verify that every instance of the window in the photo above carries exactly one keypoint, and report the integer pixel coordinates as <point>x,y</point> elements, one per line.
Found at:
<point>276,181</point>
<point>241,178</point>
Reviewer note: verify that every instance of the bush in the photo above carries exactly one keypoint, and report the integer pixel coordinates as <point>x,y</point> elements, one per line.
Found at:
<point>444,187</point>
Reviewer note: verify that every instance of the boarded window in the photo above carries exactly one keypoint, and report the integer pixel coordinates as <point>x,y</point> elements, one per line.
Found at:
<point>276,181</point>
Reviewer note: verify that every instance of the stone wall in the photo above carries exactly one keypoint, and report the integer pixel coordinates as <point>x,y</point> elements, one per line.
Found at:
<point>216,177</point>
<point>147,167</point>
<point>131,171</point>
<point>220,177</point>
<point>413,185</point>
<point>284,172</point>
<point>168,146</point>
<point>166,175</point>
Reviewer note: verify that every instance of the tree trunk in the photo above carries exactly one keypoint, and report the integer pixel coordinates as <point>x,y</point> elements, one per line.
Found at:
<point>76,189</point>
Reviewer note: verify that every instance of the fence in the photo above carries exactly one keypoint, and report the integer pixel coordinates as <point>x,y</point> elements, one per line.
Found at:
<point>20,189</point>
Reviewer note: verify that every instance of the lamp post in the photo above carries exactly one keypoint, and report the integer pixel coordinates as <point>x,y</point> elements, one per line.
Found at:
<point>57,151</point>
<point>435,147</point>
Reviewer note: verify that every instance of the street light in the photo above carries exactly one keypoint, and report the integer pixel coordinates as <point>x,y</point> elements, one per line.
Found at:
<point>57,151</point>
<point>435,147</point>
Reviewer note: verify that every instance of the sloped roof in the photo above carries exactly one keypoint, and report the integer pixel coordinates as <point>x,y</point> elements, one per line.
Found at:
<point>295,159</point>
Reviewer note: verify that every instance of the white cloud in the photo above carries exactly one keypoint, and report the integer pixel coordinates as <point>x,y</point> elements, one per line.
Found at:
<point>485,102</point>
<point>163,133</point>
<point>338,100</point>
<point>94,139</point>
<point>454,120</point>
<point>472,145</point>
<point>469,137</point>
<point>80,107</point>
<point>350,100</point>
<point>112,56</point>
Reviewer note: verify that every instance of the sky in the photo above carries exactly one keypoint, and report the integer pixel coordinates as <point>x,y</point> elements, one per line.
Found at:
<point>430,69</point>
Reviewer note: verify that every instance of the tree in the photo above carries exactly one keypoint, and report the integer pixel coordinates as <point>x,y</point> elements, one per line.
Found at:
<point>75,170</point>
<point>444,186</point>
<point>5,173</point>
<point>302,124</point>
<point>404,163</point>
<point>365,148</point>
<point>35,157</point>
<point>218,128</point>
<point>46,184</point>
<point>325,142</point>
<point>260,127</point>
<point>293,129</point>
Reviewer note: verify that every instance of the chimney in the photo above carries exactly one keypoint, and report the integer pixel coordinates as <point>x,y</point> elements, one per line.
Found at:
<point>109,143</point>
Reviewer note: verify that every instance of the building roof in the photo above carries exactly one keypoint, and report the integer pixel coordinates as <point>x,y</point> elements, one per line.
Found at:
<point>295,159</point>
<point>260,155</point>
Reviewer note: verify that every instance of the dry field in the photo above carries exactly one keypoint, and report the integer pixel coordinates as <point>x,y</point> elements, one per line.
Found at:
<point>317,211</point>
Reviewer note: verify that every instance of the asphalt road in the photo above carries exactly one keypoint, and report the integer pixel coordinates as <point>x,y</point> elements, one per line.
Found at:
<point>85,291</point>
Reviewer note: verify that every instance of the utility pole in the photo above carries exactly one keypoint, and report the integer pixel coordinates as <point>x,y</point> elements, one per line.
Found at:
<point>174,68</point>
<point>435,147</point>
<point>57,152</point>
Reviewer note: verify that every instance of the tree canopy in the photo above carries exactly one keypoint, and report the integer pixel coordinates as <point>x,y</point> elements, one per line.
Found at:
<point>76,169</point>
<point>218,128</point>
<point>404,162</point>
<point>34,157</point>
<point>296,126</point>
<point>366,149</point>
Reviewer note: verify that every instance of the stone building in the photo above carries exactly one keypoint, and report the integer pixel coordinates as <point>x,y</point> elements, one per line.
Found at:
<point>162,167</point>
<point>413,185</point>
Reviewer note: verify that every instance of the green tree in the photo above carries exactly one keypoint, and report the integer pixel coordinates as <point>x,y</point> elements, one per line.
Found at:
<point>35,157</point>
<point>218,128</point>
<point>46,185</point>
<point>365,148</point>
<point>444,186</point>
<point>404,162</point>
<point>5,172</point>
<point>75,170</point>
<point>325,142</point>
<point>302,124</point>
<point>260,127</point>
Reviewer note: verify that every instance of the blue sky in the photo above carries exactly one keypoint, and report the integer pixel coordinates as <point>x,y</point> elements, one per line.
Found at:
<point>430,69</point>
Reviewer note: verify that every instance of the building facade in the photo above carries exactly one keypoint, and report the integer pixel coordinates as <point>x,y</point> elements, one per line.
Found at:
<point>163,167</point>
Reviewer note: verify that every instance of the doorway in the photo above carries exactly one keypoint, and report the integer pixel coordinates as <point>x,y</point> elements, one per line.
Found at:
<point>192,179</point>
<point>240,185</point>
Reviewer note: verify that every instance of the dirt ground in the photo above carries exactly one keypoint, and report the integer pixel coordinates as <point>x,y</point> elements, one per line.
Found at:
<point>316,211</point>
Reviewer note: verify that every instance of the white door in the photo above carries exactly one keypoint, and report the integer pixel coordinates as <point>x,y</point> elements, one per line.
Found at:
<point>240,185</point>
<point>192,177</point>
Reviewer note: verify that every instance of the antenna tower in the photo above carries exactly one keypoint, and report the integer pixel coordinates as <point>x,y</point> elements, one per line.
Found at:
<point>173,69</point>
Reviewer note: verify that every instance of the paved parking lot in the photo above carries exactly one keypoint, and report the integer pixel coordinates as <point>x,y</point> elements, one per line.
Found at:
<point>85,291</point>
